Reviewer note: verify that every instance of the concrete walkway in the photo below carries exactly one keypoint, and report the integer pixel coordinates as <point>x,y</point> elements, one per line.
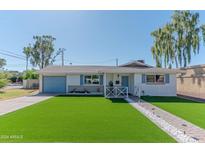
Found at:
<point>178,128</point>
<point>14,104</point>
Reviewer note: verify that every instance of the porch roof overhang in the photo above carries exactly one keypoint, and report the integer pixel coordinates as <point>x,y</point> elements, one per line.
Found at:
<point>102,69</point>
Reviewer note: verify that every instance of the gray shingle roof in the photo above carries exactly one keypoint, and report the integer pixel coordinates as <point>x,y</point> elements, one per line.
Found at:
<point>102,69</point>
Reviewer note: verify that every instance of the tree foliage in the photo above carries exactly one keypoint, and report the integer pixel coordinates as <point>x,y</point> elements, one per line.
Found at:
<point>4,76</point>
<point>15,76</point>
<point>2,62</point>
<point>203,32</point>
<point>30,74</point>
<point>3,83</point>
<point>42,53</point>
<point>27,51</point>
<point>178,40</point>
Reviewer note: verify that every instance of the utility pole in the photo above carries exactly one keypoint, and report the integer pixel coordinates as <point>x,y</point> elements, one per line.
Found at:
<point>26,63</point>
<point>62,56</point>
<point>116,61</point>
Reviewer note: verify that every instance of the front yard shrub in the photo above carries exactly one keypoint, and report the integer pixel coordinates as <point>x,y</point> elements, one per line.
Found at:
<point>30,74</point>
<point>3,83</point>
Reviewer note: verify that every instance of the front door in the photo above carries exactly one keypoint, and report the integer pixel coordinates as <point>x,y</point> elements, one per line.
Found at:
<point>125,81</point>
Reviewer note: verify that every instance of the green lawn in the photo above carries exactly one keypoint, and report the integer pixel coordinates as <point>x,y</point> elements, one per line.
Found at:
<point>191,111</point>
<point>79,119</point>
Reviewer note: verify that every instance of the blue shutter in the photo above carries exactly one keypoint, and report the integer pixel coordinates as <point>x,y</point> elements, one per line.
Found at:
<point>143,78</point>
<point>81,79</point>
<point>101,79</point>
<point>166,78</point>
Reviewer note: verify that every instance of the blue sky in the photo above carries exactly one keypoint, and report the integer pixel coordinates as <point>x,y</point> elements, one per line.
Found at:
<point>89,37</point>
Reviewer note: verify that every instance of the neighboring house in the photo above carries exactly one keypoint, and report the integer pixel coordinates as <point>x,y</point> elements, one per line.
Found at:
<point>192,81</point>
<point>111,81</point>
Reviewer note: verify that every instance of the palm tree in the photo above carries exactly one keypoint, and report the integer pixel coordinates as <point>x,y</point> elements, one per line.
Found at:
<point>156,48</point>
<point>177,40</point>
<point>162,50</point>
<point>186,31</point>
<point>203,32</point>
<point>27,52</point>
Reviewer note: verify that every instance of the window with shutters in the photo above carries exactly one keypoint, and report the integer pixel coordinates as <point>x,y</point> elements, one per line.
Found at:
<point>92,79</point>
<point>155,79</point>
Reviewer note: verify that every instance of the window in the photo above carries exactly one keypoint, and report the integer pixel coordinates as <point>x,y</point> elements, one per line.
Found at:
<point>150,78</point>
<point>92,79</point>
<point>153,79</point>
<point>159,78</point>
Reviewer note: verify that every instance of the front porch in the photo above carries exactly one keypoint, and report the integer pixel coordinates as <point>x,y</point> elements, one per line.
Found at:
<point>118,85</point>
<point>111,85</point>
<point>110,92</point>
<point>116,92</point>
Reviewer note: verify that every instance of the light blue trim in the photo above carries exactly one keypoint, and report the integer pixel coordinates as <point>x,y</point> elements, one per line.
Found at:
<point>125,81</point>
<point>143,78</point>
<point>167,78</point>
<point>81,80</point>
<point>101,79</point>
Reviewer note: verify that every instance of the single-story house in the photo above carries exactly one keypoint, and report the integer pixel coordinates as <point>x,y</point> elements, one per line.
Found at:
<point>134,78</point>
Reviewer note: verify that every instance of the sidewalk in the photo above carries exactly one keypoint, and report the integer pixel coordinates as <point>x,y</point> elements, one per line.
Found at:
<point>178,128</point>
<point>14,104</point>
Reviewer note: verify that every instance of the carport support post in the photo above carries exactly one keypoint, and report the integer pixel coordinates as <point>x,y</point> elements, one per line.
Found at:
<point>104,84</point>
<point>40,83</point>
<point>67,84</point>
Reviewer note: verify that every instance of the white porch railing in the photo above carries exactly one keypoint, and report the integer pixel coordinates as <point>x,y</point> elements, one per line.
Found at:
<point>116,92</point>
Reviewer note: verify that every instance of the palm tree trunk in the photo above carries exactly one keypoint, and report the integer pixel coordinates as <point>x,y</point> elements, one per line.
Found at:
<point>176,62</point>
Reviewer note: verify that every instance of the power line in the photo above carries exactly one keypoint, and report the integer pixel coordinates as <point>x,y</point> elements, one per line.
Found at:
<point>6,54</point>
<point>18,55</point>
<point>97,62</point>
<point>86,63</point>
<point>14,65</point>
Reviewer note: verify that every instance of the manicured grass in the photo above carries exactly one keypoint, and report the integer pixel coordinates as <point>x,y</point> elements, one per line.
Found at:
<point>12,93</point>
<point>80,119</point>
<point>191,111</point>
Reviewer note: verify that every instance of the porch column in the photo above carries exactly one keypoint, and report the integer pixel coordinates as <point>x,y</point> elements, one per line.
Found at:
<point>67,83</point>
<point>104,84</point>
<point>135,84</point>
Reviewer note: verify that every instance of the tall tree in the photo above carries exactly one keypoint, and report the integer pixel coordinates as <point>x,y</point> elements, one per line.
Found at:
<point>27,52</point>
<point>178,40</point>
<point>162,50</point>
<point>42,53</point>
<point>2,62</point>
<point>203,32</point>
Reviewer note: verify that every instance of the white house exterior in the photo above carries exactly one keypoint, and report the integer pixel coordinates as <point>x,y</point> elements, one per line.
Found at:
<point>110,81</point>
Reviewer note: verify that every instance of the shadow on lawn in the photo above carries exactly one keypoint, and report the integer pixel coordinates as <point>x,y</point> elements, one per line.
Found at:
<point>79,96</point>
<point>160,99</point>
<point>117,100</point>
<point>113,100</point>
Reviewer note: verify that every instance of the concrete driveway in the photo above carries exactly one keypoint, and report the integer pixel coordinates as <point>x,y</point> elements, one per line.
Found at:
<point>14,104</point>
